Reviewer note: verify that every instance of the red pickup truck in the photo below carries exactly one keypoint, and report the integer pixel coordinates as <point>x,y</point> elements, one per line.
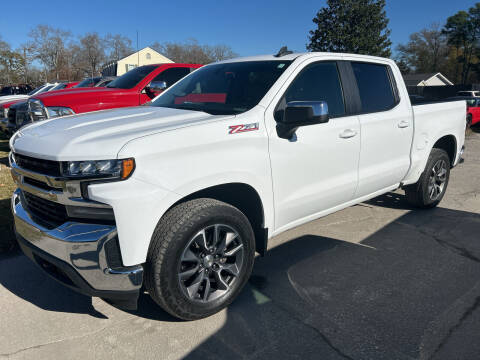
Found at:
<point>134,88</point>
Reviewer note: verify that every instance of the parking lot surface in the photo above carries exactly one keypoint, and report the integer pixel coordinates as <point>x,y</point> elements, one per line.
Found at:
<point>374,281</point>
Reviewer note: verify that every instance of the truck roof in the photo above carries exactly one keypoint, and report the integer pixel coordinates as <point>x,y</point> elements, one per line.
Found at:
<point>304,55</point>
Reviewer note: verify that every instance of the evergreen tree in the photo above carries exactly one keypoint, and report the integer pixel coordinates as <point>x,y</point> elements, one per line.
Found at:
<point>353,26</point>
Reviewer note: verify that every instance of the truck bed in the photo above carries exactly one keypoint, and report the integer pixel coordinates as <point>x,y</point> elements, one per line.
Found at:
<point>434,120</point>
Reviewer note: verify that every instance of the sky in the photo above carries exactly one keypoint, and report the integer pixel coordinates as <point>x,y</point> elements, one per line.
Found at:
<point>248,27</point>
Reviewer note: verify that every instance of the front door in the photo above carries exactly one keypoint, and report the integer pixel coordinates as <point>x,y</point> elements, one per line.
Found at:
<point>317,169</point>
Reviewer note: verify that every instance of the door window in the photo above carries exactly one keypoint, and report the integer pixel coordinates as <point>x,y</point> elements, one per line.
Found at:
<point>375,87</point>
<point>318,82</point>
<point>172,75</point>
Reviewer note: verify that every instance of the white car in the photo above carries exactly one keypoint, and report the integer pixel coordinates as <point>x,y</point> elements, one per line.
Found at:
<point>38,90</point>
<point>179,195</point>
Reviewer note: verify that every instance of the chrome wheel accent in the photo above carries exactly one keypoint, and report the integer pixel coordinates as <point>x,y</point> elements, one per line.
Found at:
<point>211,263</point>
<point>437,179</point>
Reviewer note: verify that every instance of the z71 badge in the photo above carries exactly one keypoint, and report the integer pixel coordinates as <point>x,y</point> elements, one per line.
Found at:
<point>235,129</point>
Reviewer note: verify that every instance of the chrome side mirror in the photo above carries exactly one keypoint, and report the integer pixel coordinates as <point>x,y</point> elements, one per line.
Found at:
<point>157,86</point>
<point>301,113</point>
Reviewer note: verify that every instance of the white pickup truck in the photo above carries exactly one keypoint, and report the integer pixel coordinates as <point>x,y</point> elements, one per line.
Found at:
<point>177,196</point>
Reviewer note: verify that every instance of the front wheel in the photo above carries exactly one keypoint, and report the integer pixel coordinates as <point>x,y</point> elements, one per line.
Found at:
<point>200,258</point>
<point>430,188</point>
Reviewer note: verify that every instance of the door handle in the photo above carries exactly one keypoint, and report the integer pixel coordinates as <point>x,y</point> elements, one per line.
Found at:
<point>403,124</point>
<point>348,133</point>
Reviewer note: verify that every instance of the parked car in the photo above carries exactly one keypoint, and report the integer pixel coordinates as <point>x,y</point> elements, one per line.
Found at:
<point>8,100</point>
<point>178,195</point>
<point>8,127</point>
<point>38,90</point>
<point>134,88</point>
<point>95,81</point>
<point>469,93</point>
<point>104,81</point>
<point>65,85</point>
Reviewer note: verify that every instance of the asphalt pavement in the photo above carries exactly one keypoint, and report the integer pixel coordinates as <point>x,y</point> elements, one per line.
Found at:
<point>374,281</point>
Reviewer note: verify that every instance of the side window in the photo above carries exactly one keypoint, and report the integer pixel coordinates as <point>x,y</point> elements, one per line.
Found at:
<point>172,75</point>
<point>375,87</point>
<point>318,82</point>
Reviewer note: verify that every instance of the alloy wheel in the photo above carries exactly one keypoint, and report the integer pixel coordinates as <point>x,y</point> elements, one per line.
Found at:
<point>437,179</point>
<point>211,263</point>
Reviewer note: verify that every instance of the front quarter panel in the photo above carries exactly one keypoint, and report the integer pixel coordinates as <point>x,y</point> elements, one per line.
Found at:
<point>177,163</point>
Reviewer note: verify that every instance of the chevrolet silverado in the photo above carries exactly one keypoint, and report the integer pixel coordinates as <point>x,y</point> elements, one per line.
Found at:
<point>177,196</point>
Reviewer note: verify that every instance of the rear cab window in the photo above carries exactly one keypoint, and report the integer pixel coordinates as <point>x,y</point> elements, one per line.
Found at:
<point>375,87</point>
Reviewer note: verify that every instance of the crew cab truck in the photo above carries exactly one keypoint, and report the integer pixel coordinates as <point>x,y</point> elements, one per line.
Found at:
<point>179,195</point>
<point>134,88</point>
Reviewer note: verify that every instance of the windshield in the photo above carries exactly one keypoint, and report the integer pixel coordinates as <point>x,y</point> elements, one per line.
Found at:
<point>132,78</point>
<point>45,89</point>
<point>60,86</point>
<point>35,90</point>
<point>230,88</point>
<point>89,82</point>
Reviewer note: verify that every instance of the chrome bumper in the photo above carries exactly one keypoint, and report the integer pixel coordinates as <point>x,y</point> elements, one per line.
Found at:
<point>78,250</point>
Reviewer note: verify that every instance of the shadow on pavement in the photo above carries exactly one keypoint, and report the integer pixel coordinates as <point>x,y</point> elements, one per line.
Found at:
<point>23,278</point>
<point>411,291</point>
<point>7,237</point>
<point>475,128</point>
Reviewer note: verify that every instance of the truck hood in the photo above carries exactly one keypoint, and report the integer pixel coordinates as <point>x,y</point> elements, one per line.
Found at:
<point>6,98</point>
<point>100,135</point>
<point>69,97</point>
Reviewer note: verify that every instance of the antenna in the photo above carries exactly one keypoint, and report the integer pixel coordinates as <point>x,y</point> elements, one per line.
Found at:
<point>138,54</point>
<point>283,51</point>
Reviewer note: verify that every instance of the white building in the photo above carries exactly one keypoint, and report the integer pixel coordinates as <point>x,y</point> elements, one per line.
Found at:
<point>433,79</point>
<point>145,56</point>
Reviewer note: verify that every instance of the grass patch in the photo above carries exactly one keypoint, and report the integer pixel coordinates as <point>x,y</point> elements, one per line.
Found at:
<point>7,238</point>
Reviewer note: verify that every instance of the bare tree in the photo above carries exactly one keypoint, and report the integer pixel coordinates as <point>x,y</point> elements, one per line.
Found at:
<point>48,46</point>
<point>92,52</point>
<point>192,52</point>
<point>118,46</point>
<point>426,50</point>
<point>11,64</point>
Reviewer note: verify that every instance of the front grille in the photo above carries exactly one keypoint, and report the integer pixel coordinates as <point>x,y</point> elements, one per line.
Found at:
<point>12,116</point>
<point>22,117</point>
<point>48,211</point>
<point>39,184</point>
<point>46,167</point>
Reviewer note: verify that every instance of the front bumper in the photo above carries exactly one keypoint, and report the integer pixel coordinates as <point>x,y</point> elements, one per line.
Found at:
<point>76,254</point>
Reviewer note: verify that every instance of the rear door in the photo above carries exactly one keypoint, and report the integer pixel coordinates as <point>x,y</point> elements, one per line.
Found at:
<point>386,123</point>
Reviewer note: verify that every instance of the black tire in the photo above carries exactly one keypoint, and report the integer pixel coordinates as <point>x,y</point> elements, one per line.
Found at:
<point>469,121</point>
<point>172,236</point>
<point>418,194</point>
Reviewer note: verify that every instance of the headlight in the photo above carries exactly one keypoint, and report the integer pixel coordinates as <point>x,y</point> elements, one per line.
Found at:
<point>36,110</point>
<point>119,169</point>
<point>57,111</point>
<point>4,112</point>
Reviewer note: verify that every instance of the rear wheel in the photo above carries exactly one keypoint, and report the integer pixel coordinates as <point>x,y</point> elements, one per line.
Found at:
<point>200,258</point>
<point>430,188</point>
